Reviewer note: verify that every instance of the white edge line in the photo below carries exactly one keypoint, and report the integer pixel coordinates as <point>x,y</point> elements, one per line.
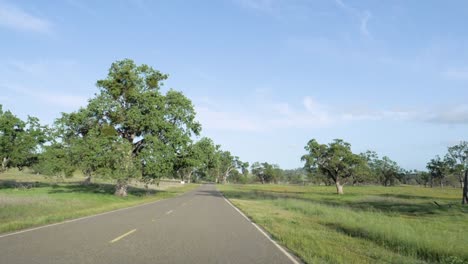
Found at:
<point>293,260</point>
<point>86,217</point>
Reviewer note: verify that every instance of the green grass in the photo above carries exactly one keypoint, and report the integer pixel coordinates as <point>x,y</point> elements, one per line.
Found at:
<point>49,202</point>
<point>366,225</point>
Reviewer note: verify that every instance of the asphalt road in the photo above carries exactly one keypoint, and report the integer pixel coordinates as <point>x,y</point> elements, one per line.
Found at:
<point>197,227</point>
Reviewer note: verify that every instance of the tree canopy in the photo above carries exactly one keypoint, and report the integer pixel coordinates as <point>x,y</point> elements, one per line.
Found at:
<point>20,141</point>
<point>335,160</point>
<point>143,129</point>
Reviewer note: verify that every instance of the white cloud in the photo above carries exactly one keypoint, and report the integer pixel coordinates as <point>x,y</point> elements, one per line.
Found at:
<point>15,18</point>
<point>45,81</point>
<point>377,115</point>
<point>46,69</point>
<point>451,115</point>
<point>364,20</point>
<point>261,115</point>
<point>225,120</point>
<point>310,104</point>
<point>456,74</point>
<point>48,97</point>
<point>362,16</point>
<point>66,100</point>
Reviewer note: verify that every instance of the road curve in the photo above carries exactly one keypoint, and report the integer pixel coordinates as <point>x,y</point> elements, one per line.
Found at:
<point>197,227</point>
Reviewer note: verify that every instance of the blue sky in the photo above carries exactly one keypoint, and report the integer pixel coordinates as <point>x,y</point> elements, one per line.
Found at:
<point>265,75</point>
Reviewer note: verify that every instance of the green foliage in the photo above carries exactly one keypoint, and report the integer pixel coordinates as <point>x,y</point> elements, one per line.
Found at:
<point>421,177</point>
<point>226,164</point>
<point>20,141</point>
<point>386,171</point>
<point>220,165</point>
<point>130,129</point>
<point>194,159</point>
<point>55,161</point>
<point>438,169</point>
<point>457,160</point>
<point>335,160</point>
<point>266,172</point>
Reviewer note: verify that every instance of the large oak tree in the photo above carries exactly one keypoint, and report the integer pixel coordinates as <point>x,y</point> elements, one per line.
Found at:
<point>143,129</point>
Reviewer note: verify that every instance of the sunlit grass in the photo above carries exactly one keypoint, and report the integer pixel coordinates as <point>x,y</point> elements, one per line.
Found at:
<point>48,201</point>
<point>366,225</point>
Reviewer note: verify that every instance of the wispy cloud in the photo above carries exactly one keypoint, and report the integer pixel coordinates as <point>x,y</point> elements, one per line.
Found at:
<point>16,18</point>
<point>456,74</point>
<point>362,16</point>
<point>457,114</point>
<point>226,120</point>
<point>261,115</point>
<point>266,6</point>
<point>364,19</point>
<point>44,81</point>
<point>48,97</point>
<point>298,10</point>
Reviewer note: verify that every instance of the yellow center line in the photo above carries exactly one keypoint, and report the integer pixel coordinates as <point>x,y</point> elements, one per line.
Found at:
<point>122,236</point>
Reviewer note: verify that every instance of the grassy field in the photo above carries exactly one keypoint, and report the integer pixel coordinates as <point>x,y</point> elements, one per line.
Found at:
<point>366,225</point>
<point>28,200</point>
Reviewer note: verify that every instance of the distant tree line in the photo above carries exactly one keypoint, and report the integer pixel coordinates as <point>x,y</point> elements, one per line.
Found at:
<point>131,130</point>
<point>335,163</point>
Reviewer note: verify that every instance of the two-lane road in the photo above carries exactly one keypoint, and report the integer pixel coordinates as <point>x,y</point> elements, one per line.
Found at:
<point>197,227</point>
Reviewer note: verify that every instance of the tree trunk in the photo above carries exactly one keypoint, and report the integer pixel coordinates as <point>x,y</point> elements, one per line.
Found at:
<point>87,181</point>
<point>339,188</point>
<point>5,163</point>
<point>465,189</point>
<point>121,188</point>
<point>182,176</point>
<point>189,177</point>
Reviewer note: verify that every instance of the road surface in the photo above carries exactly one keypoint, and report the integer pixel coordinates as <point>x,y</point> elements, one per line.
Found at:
<point>197,227</point>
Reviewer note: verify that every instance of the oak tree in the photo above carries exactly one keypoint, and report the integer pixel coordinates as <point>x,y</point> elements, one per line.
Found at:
<point>335,160</point>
